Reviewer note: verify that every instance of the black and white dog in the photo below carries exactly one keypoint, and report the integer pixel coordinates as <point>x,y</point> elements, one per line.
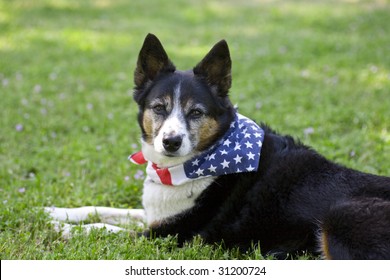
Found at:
<point>215,173</point>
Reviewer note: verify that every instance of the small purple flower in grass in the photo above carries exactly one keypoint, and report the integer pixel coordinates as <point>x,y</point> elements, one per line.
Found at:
<point>308,131</point>
<point>134,146</point>
<point>5,82</point>
<point>37,89</point>
<point>43,111</point>
<point>19,127</point>
<point>22,190</point>
<point>139,175</point>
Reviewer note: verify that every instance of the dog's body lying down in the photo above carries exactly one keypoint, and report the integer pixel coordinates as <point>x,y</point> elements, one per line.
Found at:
<point>214,173</point>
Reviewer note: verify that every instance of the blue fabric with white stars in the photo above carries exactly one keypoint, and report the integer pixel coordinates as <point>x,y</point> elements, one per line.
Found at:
<point>238,151</point>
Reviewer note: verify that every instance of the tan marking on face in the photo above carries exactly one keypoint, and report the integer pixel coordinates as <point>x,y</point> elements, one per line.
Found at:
<point>147,123</point>
<point>208,130</point>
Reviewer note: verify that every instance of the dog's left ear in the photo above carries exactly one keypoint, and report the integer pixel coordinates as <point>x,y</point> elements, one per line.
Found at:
<point>215,67</point>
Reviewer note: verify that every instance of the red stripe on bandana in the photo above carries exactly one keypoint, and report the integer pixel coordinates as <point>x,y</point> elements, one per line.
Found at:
<point>138,158</point>
<point>163,174</point>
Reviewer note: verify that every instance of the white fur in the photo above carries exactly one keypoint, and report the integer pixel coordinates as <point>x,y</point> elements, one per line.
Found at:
<point>108,216</point>
<point>161,202</point>
<point>174,125</point>
<point>66,229</point>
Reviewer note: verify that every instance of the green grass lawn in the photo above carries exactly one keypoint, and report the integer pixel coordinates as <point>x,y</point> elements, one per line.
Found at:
<point>319,70</point>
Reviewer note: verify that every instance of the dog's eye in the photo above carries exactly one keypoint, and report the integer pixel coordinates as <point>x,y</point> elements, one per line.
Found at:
<point>159,109</point>
<point>196,113</point>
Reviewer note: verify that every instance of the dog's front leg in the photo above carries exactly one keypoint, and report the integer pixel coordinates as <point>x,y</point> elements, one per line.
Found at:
<point>108,216</point>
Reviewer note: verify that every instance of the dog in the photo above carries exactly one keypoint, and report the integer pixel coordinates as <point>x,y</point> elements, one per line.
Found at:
<point>214,173</point>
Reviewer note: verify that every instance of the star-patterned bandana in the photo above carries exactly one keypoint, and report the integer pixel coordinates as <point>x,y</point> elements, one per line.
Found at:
<point>238,151</point>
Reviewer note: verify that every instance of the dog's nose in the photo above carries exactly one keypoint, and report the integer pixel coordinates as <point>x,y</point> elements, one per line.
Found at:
<point>172,143</point>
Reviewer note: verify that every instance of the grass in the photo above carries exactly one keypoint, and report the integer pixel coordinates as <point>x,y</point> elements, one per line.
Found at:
<point>319,70</point>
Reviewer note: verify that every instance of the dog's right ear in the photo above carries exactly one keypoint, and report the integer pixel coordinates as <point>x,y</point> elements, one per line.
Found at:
<point>152,60</point>
<point>215,68</point>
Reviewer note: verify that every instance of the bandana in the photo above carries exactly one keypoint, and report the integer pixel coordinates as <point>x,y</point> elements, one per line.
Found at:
<point>237,152</point>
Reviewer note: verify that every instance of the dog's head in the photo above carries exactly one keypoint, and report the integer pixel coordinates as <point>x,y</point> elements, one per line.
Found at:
<point>181,113</point>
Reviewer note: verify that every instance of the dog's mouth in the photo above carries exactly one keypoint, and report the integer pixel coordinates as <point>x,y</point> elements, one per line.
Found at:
<point>170,155</point>
<point>177,154</point>
<point>169,160</point>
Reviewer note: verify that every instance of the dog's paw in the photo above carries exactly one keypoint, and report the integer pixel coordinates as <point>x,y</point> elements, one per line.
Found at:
<point>67,231</point>
<point>63,228</point>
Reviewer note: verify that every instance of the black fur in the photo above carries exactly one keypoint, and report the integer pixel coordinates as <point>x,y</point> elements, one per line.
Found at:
<point>296,197</point>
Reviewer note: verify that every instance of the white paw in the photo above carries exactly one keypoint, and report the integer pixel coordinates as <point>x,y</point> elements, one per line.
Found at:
<point>67,231</point>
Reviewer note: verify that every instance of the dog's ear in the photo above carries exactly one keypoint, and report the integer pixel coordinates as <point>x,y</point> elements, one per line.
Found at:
<point>216,68</point>
<point>152,60</point>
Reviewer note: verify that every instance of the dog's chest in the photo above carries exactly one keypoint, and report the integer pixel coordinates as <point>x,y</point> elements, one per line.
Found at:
<point>161,201</point>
